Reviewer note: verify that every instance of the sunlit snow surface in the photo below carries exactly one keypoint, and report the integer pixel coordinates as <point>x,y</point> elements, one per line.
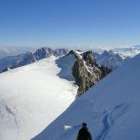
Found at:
<point>31,97</point>
<point>111,109</point>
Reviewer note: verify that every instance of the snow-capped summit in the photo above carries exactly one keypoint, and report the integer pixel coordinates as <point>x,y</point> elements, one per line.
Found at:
<point>46,52</point>
<point>42,53</point>
<point>111,109</point>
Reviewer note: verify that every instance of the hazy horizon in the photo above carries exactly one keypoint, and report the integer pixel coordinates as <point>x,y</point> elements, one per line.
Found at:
<point>65,47</point>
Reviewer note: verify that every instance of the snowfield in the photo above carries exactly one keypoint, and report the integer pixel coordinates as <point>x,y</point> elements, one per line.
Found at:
<point>111,109</point>
<point>31,97</point>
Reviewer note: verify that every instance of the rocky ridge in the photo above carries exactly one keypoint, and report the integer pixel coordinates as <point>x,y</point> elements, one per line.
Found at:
<point>86,72</point>
<point>81,68</point>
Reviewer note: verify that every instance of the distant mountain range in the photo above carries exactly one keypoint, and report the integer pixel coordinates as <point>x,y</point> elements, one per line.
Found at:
<point>16,57</point>
<point>10,62</point>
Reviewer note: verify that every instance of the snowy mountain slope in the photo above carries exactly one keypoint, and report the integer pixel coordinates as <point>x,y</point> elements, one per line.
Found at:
<point>128,52</point>
<point>31,97</point>
<point>113,58</point>
<point>66,63</point>
<point>11,62</point>
<point>111,109</point>
<point>28,58</point>
<point>45,52</point>
<point>110,59</point>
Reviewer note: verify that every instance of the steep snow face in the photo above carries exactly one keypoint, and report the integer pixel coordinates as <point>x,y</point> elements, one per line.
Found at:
<point>31,97</point>
<point>111,109</point>
<point>66,63</point>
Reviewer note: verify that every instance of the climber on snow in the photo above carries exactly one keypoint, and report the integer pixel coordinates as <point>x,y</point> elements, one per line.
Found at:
<point>84,134</point>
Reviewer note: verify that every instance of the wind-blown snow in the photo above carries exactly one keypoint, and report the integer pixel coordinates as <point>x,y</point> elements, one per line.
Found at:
<point>31,97</point>
<point>111,109</point>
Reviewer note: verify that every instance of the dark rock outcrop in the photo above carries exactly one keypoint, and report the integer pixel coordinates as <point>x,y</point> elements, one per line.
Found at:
<point>86,72</point>
<point>89,58</point>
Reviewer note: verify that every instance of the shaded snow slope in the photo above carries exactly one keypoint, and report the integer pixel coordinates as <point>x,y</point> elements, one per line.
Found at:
<point>110,59</point>
<point>111,109</point>
<point>66,63</point>
<point>31,97</point>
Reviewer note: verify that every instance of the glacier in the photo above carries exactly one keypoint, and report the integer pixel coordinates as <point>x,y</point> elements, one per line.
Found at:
<point>31,97</point>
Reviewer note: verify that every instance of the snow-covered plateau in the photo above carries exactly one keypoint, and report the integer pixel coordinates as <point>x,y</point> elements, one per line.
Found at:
<point>31,97</point>
<point>111,109</point>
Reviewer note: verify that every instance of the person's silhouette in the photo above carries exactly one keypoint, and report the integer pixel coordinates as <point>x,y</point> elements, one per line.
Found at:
<point>84,133</point>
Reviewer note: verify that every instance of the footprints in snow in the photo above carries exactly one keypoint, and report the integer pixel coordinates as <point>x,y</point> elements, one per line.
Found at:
<point>109,118</point>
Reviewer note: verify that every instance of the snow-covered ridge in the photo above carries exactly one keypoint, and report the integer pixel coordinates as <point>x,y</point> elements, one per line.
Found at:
<point>81,68</point>
<point>111,109</point>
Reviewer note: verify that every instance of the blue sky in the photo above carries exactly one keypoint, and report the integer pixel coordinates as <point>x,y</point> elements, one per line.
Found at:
<point>70,23</point>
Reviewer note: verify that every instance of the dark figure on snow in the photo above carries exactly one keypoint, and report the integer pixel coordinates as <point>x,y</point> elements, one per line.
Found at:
<point>84,133</point>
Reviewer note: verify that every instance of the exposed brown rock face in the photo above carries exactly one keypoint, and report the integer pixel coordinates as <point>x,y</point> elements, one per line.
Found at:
<point>86,72</point>
<point>81,68</point>
<point>89,58</point>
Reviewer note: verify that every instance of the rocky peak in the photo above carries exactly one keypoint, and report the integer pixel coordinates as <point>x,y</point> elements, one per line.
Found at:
<point>86,72</point>
<point>46,52</point>
<point>89,58</point>
<point>82,68</point>
<point>75,54</point>
<point>42,53</point>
